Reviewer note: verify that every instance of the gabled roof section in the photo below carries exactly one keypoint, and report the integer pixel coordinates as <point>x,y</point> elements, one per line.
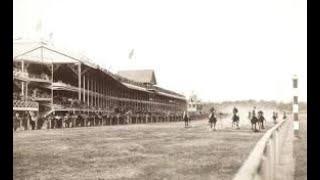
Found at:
<point>142,76</point>
<point>45,53</point>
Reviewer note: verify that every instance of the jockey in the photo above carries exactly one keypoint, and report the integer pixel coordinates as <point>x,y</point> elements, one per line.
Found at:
<point>212,114</point>
<point>185,118</point>
<point>235,111</point>
<point>254,112</point>
<point>212,118</point>
<point>274,117</point>
<point>235,117</point>
<point>284,115</point>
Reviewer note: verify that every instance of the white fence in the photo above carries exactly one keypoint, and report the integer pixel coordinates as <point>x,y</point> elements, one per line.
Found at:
<point>264,158</point>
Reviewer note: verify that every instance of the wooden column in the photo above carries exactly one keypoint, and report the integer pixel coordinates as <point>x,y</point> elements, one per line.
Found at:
<point>88,90</point>
<point>84,89</point>
<point>26,94</point>
<point>22,83</point>
<point>79,81</point>
<point>94,83</point>
<point>99,94</point>
<point>91,91</point>
<point>92,95</point>
<point>104,95</point>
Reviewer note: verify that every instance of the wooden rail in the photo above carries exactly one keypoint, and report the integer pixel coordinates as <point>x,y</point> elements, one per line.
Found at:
<point>263,159</point>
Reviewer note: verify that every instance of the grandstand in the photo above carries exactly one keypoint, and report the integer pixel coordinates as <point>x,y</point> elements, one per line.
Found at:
<point>51,81</point>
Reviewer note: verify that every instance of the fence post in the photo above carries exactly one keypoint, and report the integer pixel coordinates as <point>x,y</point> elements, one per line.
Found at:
<point>271,158</point>
<point>276,147</point>
<point>264,166</point>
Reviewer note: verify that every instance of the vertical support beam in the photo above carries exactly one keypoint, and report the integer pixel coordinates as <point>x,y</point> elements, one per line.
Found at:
<point>99,97</point>
<point>22,88</point>
<point>79,81</point>
<point>26,93</point>
<point>28,122</point>
<point>91,91</point>
<point>92,94</point>
<point>84,88</point>
<point>22,84</point>
<point>94,85</point>
<point>295,106</point>
<point>51,85</point>
<point>88,88</point>
<point>104,95</point>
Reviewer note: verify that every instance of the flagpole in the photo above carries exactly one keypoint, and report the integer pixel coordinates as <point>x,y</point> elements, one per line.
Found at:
<point>131,54</point>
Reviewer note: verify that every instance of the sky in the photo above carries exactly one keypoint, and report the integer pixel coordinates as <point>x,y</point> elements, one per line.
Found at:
<point>220,50</point>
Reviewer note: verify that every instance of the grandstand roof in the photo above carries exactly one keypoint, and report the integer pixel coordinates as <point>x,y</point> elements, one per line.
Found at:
<point>40,51</point>
<point>143,76</point>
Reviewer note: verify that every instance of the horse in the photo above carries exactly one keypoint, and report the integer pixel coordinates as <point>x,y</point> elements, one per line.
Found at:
<point>253,120</point>
<point>235,121</point>
<point>261,120</point>
<point>186,119</point>
<point>212,120</point>
<point>274,117</point>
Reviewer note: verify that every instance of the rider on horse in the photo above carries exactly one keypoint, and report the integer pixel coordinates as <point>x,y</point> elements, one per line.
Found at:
<point>274,117</point>
<point>284,115</point>
<point>235,117</point>
<point>186,118</point>
<point>261,119</point>
<point>212,118</point>
<point>254,119</point>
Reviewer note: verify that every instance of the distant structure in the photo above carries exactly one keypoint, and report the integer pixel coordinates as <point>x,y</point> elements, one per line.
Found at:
<point>194,104</point>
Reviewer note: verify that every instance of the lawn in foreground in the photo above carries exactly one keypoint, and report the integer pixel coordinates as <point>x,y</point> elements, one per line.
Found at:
<point>152,151</point>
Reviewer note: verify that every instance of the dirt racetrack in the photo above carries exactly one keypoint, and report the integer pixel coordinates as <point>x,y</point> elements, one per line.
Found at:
<point>143,151</point>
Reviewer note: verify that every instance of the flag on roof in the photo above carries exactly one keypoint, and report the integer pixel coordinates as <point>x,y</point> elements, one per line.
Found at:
<point>131,54</point>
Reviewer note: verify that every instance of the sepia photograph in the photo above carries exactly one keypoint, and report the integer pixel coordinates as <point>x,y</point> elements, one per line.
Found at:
<point>159,90</point>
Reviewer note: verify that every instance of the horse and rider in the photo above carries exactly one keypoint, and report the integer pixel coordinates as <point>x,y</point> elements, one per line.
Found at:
<point>260,120</point>
<point>212,118</point>
<point>186,119</point>
<point>275,117</point>
<point>284,115</point>
<point>235,118</point>
<point>254,120</point>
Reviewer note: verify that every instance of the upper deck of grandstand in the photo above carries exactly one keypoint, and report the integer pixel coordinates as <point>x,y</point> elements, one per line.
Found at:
<point>45,53</point>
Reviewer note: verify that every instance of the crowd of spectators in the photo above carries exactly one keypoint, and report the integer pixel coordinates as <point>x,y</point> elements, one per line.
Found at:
<point>39,93</point>
<point>19,73</point>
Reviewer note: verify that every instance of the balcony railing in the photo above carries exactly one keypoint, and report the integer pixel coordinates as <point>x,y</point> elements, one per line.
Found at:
<point>20,105</point>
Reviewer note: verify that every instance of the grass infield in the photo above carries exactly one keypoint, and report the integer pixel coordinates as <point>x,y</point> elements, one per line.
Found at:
<point>144,151</point>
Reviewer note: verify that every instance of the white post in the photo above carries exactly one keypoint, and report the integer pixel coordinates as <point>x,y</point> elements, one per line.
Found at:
<point>295,106</point>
